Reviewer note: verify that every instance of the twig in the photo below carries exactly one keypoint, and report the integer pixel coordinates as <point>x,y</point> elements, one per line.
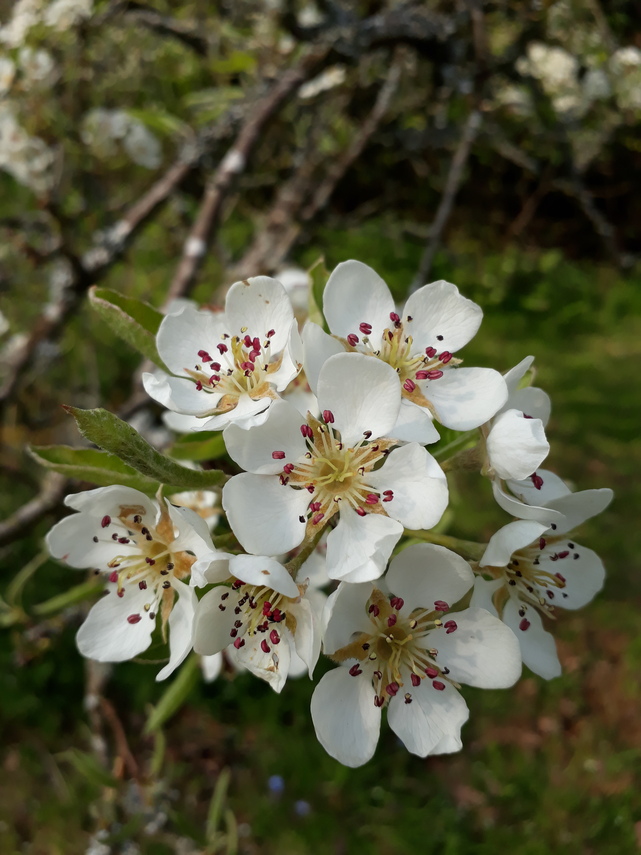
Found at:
<point>122,746</point>
<point>452,184</point>
<point>53,489</point>
<point>233,164</point>
<point>166,26</point>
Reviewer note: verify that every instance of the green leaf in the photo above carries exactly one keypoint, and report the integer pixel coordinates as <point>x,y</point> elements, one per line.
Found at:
<point>132,320</point>
<point>318,280</point>
<point>111,433</point>
<point>175,695</point>
<point>90,464</point>
<point>201,445</point>
<point>158,120</point>
<point>89,768</point>
<point>236,62</point>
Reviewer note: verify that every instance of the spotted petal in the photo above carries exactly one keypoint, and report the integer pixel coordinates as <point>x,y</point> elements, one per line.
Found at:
<point>538,649</point>
<point>356,294</point>
<point>181,626</point>
<point>464,398</point>
<point>442,318</point>
<point>424,573</point>
<point>107,635</point>
<point>432,718</point>
<point>257,306</point>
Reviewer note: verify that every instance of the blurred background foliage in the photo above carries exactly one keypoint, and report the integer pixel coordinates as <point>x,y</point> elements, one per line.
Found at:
<point>494,144</point>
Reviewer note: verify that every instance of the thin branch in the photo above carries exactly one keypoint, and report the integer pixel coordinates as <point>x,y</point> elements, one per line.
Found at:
<point>166,26</point>
<point>54,486</point>
<point>452,184</point>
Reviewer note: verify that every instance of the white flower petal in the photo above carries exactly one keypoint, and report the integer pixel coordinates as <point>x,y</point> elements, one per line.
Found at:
<point>442,318</point>
<point>424,573</point>
<point>414,424</point>
<point>180,394</point>
<point>484,590</point>
<point>182,334</point>
<point>252,449</point>
<point>264,514</point>
<point>538,649</point>
<point>193,532</point>
<point>271,666</point>
<point>107,500</point>
<point>359,547</point>
<point>261,305</point>
<point>433,718</point>
<point>584,575</point>
<point>262,571</point>
<point>107,635</point>
<point>579,507</point>
<point>509,539</point>
<point>356,294</point>
<point>246,414</point>
<point>552,488</point>
<point>307,638</point>
<point>533,402</point>
<point>362,392</point>
<point>464,398</point>
<point>516,508</point>
<point>211,666</point>
<point>181,625</point>
<point>346,721</point>
<point>481,652</point>
<point>418,483</point>
<point>516,446</point>
<point>291,360</point>
<point>71,541</point>
<point>214,620</point>
<point>514,376</point>
<point>344,615</point>
<point>318,347</point>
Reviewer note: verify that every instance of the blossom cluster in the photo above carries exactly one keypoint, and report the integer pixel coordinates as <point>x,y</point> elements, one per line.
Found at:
<point>330,535</point>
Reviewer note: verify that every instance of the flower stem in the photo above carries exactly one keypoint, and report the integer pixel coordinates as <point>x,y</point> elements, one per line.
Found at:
<point>301,557</point>
<point>468,549</point>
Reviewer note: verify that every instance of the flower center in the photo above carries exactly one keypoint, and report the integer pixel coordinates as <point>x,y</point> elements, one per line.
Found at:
<point>334,474</point>
<point>397,349</point>
<point>397,649</point>
<point>259,611</point>
<point>241,367</point>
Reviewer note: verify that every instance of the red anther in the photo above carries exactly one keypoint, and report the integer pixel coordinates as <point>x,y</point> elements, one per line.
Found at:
<point>267,607</point>
<point>215,366</point>
<point>277,616</point>
<point>537,481</point>
<point>271,333</point>
<point>238,643</point>
<point>416,680</point>
<point>123,540</point>
<point>355,670</point>
<point>252,356</point>
<point>397,603</point>
<point>352,339</point>
<point>222,348</point>
<point>438,685</point>
<point>314,507</point>
<point>360,511</point>
<point>264,646</point>
<point>278,455</point>
<point>388,498</point>
<point>199,386</point>
<point>374,610</point>
<point>215,378</point>
<point>247,366</point>
<point>204,356</point>
<point>317,518</point>
<point>525,623</point>
<point>134,619</point>
<point>450,626</point>
<point>441,605</point>
<point>233,632</point>
<point>113,577</point>
<point>247,341</point>
<point>104,522</point>
<point>142,585</point>
<point>391,620</point>
<point>549,594</point>
<point>392,689</point>
<point>431,672</point>
<point>422,375</point>
<point>237,584</point>
<point>408,698</point>
<point>430,351</point>
<point>564,554</point>
<point>445,357</point>
<point>560,577</point>
<point>379,700</point>
<point>328,417</point>
<point>150,561</point>
<point>388,493</point>
<point>306,431</point>
<point>409,385</point>
<point>371,499</point>
<point>366,329</point>
<point>274,637</point>
<point>435,374</point>
<point>288,468</point>
<point>390,335</point>
<point>542,542</point>
<point>525,416</point>
<point>256,343</point>
<point>310,488</point>
<point>394,317</point>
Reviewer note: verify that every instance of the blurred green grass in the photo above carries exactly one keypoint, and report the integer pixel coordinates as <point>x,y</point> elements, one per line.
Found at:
<point>546,768</point>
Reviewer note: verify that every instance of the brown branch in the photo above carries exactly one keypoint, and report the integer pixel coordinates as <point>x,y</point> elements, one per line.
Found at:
<point>166,26</point>
<point>452,184</point>
<point>120,737</point>
<point>233,164</point>
<point>54,486</point>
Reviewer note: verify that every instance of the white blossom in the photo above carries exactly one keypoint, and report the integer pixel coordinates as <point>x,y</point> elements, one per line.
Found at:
<point>399,646</point>
<point>146,549</point>
<point>300,474</point>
